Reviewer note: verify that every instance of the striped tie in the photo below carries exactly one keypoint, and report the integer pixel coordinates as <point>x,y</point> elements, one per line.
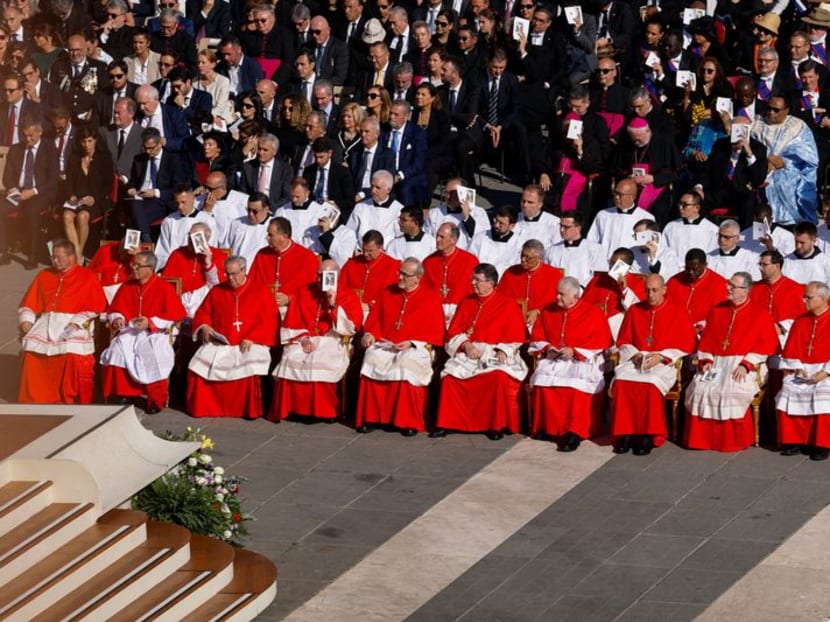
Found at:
<point>493,105</point>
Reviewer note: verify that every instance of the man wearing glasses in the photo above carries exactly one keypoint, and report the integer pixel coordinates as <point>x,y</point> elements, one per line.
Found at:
<point>331,55</point>
<point>612,227</point>
<point>140,356</point>
<point>170,39</point>
<point>247,233</point>
<point>116,34</point>
<point>242,71</point>
<point>739,336</point>
<point>79,78</point>
<point>730,257</point>
<point>117,88</point>
<point>692,229</point>
<point>237,324</point>
<point>16,108</point>
<point>270,44</point>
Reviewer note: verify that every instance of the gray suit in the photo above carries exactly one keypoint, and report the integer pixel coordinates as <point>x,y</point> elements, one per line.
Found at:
<point>132,147</point>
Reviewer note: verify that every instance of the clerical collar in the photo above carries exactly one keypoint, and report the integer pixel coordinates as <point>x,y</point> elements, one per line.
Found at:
<point>191,214</point>
<point>414,238</point>
<point>572,243</point>
<point>658,306</point>
<point>695,221</point>
<point>285,250</point>
<point>304,206</point>
<point>386,203</point>
<point>504,238</point>
<point>816,251</point>
<point>534,218</point>
<point>628,211</point>
<point>731,253</point>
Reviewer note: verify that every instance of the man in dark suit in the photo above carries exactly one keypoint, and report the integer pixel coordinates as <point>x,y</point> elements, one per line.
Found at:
<point>37,90</point>
<point>116,34</point>
<point>124,140</point>
<point>153,175</point>
<point>315,127</point>
<point>399,39</point>
<point>329,181</point>
<point>331,55</point>
<point>408,144</point>
<point>460,98</point>
<point>379,70</point>
<point>216,20</point>
<point>195,105</point>
<point>170,121</point>
<point>171,39</point>
<point>372,158</point>
<point>324,102</point>
<point>615,27</point>
<point>270,44</point>
<point>471,52</point>
<point>731,180</point>
<point>673,59</point>
<point>402,75</point>
<point>117,88</point>
<point>79,79</point>
<point>267,173</point>
<point>31,180</point>
<point>302,80</point>
<point>243,71</point>
<point>349,28</point>
<point>16,108</point>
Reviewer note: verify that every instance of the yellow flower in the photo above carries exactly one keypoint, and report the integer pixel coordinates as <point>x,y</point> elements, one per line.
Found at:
<point>207,443</point>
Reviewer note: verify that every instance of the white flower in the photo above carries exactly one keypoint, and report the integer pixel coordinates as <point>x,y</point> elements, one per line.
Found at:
<point>217,479</point>
<point>192,462</point>
<point>220,497</point>
<point>219,471</point>
<point>227,534</point>
<point>205,459</point>
<point>201,481</point>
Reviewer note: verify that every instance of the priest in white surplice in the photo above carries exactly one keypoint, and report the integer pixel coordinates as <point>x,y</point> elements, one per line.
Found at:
<point>534,223</point>
<point>613,226</point>
<point>175,229</point>
<point>248,234</point>
<point>807,263</point>
<point>499,245</point>
<point>691,230</point>
<point>468,217</point>
<point>730,257</point>
<point>379,212</point>
<point>578,257</point>
<point>301,211</point>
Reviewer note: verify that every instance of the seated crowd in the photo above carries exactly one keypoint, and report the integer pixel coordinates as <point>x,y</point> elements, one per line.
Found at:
<point>265,174</point>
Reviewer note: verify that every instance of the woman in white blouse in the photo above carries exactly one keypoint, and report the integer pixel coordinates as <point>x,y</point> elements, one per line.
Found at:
<point>217,85</point>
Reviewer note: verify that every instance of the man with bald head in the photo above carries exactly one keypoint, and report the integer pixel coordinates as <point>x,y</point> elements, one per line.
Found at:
<point>730,257</point>
<point>654,335</point>
<point>222,205</point>
<point>612,227</point>
<point>449,269</point>
<point>331,54</point>
<point>315,355</point>
<point>73,75</point>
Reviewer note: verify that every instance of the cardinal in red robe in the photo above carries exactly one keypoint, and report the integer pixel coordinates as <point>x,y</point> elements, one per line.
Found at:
<point>56,319</point>
<point>369,273</point>
<point>316,334</point>
<point>803,405</point>
<point>615,295</point>
<point>139,358</point>
<point>404,326</point>
<point>654,335</point>
<point>113,265</point>
<point>531,282</point>
<point>738,337</point>
<point>449,269</point>
<point>237,323</point>
<point>697,288</point>
<point>569,339</point>
<point>481,381</point>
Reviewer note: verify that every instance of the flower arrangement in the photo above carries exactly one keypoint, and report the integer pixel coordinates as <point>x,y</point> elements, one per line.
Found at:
<point>196,494</point>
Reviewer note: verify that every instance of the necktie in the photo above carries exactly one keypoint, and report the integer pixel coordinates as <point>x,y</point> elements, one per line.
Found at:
<point>61,140</point>
<point>319,60</point>
<point>29,169</point>
<point>378,78</point>
<point>262,182</point>
<point>121,139</point>
<point>154,172</point>
<point>307,89</point>
<point>395,140</point>
<point>399,47</point>
<point>453,95</point>
<point>309,158</point>
<point>320,188</point>
<point>493,104</point>
<point>364,164</point>
<point>10,126</point>
<point>351,31</point>
<point>431,20</point>
<point>602,31</point>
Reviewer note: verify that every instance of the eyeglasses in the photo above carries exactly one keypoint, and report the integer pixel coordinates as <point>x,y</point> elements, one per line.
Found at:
<point>526,7</point>
<point>254,211</point>
<point>114,15</point>
<point>139,266</point>
<point>316,32</point>
<point>606,70</point>
<point>161,64</point>
<point>260,20</point>
<point>441,24</point>
<point>244,105</point>
<point>774,109</point>
<point>766,60</point>
<point>383,7</point>
<point>116,76</point>
<point>763,265</point>
<point>681,204</point>
<point>405,275</point>
<point>373,95</point>
<point>709,70</point>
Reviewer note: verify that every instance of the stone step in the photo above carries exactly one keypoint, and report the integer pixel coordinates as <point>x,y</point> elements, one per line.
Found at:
<point>20,500</point>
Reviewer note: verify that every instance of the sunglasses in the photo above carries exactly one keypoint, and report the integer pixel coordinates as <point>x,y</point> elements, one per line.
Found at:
<point>526,7</point>
<point>116,76</point>
<point>442,24</point>
<point>603,71</point>
<point>709,71</point>
<point>316,32</point>
<point>248,106</point>
<point>383,7</point>
<point>773,109</point>
<point>261,20</point>
<point>373,95</point>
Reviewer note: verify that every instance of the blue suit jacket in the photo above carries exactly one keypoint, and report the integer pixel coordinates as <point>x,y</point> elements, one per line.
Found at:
<point>411,163</point>
<point>249,74</point>
<point>199,100</point>
<point>176,130</point>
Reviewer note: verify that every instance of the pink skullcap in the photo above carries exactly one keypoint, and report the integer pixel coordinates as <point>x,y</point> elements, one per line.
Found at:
<point>637,123</point>
<point>572,116</point>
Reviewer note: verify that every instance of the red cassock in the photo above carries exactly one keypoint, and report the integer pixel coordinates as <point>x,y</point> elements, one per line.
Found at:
<point>698,296</point>
<point>288,271</point>
<point>396,317</point>
<point>487,401</point>
<point>368,279</point>
<point>731,331</point>
<point>111,264</point>
<point>450,275</point>
<point>537,286</point>
<point>156,298</point>
<point>310,315</point>
<point>247,312</point>
<point>565,408</point>
<point>57,370</point>
<point>604,292</point>
<point>185,264</point>
<point>808,342</point>
<point>639,408</point>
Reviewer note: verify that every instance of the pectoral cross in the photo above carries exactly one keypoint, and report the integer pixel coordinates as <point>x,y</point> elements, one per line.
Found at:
<point>444,290</point>
<point>649,340</point>
<point>725,344</point>
<point>237,324</point>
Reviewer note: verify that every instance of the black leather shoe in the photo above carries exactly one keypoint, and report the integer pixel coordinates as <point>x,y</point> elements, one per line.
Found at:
<point>539,436</point>
<point>329,421</point>
<point>819,453</point>
<point>791,450</point>
<point>5,259</point>
<point>643,446</point>
<point>494,435</point>
<point>409,432</point>
<point>570,442</point>
<point>152,410</point>
<point>438,433</point>
<point>622,445</point>
<point>363,429</point>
